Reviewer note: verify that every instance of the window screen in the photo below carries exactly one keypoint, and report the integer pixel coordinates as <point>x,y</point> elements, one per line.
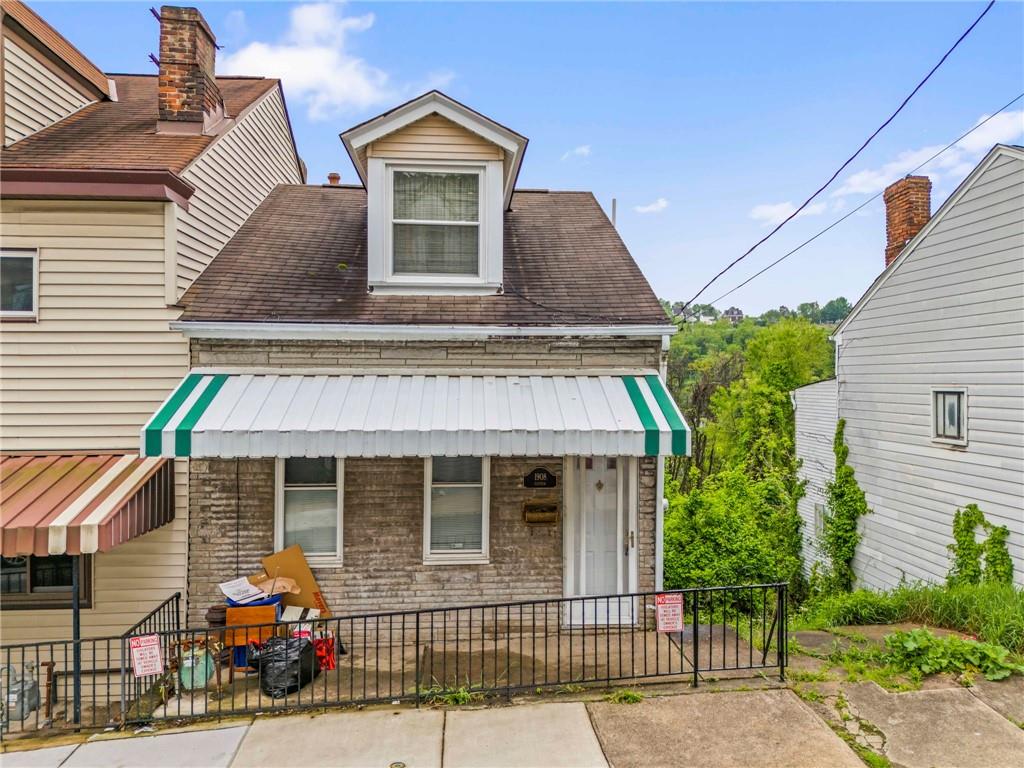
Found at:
<point>949,416</point>
<point>436,223</point>
<point>17,273</point>
<point>311,511</point>
<point>456,505</point>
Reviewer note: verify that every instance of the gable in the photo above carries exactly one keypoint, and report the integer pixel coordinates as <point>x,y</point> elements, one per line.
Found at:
<point>973,229</point>
<point>434,138</point>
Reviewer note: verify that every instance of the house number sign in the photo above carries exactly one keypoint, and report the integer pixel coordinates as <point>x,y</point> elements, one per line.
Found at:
<point>540,478</point>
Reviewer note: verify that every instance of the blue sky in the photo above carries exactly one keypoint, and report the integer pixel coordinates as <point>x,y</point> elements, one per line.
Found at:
<point>704,120</point>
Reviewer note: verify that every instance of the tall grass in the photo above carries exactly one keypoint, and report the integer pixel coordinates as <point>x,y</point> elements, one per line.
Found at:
<point>992,612</point>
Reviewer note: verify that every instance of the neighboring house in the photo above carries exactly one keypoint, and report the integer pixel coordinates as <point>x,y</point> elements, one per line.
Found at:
<point>378,372</point>
<point>734,315</point>
<point>814,407</point>
<point>930,375</point>
<point>117,192</point>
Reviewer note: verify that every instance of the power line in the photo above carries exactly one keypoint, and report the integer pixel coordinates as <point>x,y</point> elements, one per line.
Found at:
<point>847,162</point>
<point>870,200</point>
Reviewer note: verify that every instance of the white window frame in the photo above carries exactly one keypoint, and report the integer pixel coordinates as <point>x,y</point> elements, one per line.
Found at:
<point>32,314</point>
<point>936,438</point>
<point>456,558</point>
<point>321,561</point>
<point>380,207</point>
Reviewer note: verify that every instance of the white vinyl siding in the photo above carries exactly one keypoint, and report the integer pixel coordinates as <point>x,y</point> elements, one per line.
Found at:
<point>34,96</point>
<point>88,374</point>
<point>950,315</point>
<point>232,178</point>
<point>815,411</point>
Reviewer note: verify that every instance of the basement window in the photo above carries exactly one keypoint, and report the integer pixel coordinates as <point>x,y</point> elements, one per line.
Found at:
<point>949,416</point>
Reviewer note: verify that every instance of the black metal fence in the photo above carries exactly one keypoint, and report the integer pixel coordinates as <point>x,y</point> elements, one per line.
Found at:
<point>449,654</point>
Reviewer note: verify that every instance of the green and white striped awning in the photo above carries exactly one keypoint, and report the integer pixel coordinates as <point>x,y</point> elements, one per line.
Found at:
<point>263,415</point>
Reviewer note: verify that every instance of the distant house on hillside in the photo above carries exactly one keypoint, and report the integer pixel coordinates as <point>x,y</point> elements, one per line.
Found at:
<point>929,378</point>
<point>733,315</point>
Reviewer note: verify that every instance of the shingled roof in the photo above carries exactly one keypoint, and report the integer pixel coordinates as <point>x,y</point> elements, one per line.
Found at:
<point>301,257</point>
<point>122,135</point>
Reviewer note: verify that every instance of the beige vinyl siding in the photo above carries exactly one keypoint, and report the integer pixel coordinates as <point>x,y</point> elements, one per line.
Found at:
<point>89,374</point>
<point>434,138</point>
<point>34,96</point>
<point>231,179</point>
<point>815,411</point>
<point>950,314</point>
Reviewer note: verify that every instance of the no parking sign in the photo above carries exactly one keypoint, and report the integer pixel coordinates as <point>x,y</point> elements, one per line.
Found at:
<point>670,612</point>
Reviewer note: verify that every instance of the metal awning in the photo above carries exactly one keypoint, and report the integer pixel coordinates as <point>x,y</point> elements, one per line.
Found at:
<point>56,504</point>
<point>231,415</point>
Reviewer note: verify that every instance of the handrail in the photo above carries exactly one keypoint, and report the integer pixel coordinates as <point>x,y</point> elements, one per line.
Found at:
<point>174,600</point>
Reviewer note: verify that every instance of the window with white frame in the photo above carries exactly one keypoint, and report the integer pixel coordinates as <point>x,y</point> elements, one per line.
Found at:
<point>456,502</point>
<point>435,222</point>
<point>19,282</point>
<point>310,502</point>
<point>949,415</point>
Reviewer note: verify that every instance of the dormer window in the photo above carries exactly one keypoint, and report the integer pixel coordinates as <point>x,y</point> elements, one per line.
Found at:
<point>438,179</point>
<point>435,222</point>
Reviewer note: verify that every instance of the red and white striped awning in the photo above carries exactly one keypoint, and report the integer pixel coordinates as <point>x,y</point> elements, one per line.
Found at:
<point>55,504</point>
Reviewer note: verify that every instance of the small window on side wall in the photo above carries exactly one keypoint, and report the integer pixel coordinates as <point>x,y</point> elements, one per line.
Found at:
<point>456,508</point>
<point>31,582</point>
<point>949,415</point>
<point>309,509</point>
<point>19,283</point>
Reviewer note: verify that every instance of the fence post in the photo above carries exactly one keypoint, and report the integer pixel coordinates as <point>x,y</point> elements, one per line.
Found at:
<point>780,650</point>
<point>696,644</point>
<point>124,682</point>
<point>417,660</point>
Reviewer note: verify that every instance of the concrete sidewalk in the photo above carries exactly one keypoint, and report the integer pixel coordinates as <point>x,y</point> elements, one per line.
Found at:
<point>699,728</point>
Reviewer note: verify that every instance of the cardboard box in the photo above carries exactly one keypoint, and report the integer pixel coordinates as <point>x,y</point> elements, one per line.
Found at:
<point>291,563</point>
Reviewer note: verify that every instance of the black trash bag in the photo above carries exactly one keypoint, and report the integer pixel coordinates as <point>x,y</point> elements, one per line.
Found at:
<point>285,664</point>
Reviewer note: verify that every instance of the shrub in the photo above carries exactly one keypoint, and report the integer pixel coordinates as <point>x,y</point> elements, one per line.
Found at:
<point>733,530</point>
<point>993,612</point>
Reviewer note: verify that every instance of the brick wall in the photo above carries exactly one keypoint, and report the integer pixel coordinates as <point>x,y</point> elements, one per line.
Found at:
<point>231,528</point>
<point>187,87</point>
<point>508,353</point>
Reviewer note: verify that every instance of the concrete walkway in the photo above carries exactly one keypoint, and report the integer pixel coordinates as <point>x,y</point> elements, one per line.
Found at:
<point>758,728</point>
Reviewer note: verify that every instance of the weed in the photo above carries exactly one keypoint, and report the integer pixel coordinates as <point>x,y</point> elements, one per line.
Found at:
<point>624,696</point>
<point>807,694</point>
<point>807,676</point>
<point>920,651</point>
<point>571,688</point>
<point>451,697</point>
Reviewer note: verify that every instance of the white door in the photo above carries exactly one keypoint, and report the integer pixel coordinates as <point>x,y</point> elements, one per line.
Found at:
<point>602,530</point>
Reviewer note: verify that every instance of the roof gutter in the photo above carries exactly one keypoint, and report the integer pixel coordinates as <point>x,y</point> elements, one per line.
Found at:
<point>361,332</point>
<point>95,184</point>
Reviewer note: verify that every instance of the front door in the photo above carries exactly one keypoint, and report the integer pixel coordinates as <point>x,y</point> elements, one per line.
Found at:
<point>601,525</point>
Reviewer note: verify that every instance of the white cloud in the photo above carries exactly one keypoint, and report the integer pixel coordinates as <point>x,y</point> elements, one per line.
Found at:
<point>953,164</point>
<point>771,214</point>
<point>234,27</point>
<point>582,151</point>
<point>657,206</point>
<point>313,61</point>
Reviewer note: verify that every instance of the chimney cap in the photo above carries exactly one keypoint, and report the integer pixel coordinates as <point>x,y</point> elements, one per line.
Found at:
<point>334,178</point>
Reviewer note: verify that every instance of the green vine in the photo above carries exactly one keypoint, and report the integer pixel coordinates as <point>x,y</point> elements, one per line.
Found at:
<point>846,504</point>
<point>969,553</point>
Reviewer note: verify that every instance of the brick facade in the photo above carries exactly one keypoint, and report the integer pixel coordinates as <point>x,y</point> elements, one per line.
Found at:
<point>505,353</point>
<point>231,502</point>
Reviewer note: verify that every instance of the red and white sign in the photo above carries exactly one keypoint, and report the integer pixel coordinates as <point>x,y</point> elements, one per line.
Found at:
<point>147,658</point>
<point>670,612</point>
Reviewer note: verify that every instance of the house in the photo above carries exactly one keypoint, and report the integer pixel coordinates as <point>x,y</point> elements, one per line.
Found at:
<point>118,190</point>
<point>930,377</point>
<point>734,315</point>
<point>447,390</point>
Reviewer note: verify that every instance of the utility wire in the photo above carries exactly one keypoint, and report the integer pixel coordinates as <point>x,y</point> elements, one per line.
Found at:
<point>847,162</point>
<point>870,200</point>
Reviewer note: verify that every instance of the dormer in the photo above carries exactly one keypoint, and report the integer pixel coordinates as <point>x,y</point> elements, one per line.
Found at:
<point>438,180</point>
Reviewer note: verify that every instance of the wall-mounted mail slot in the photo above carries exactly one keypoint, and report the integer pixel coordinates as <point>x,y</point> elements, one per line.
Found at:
<point>540,512</point>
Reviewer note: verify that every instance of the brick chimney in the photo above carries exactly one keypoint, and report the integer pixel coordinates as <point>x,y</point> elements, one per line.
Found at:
<point>189,98</point>
<point>908,206</point>
<point>334,178</point>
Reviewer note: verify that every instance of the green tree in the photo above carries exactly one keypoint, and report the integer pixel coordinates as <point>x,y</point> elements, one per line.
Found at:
<point>835,311</point>
<point>809,310</point>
